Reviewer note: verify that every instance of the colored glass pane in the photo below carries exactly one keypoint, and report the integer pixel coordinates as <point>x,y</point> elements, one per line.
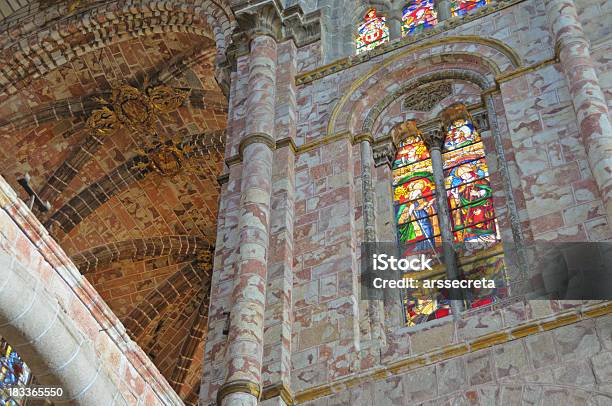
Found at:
<point>13,372</point>
<point>469,193</point>
<point>467,153</point>
<point>461,7</point>
<point>410,151</point>
<point>415,210</point>
<point>372,32</point>
<point>419,169</point>
<point>472,215</point>
<point>466,172</point>
<point>417,16</point>
<point>490,267</point>
<point>425,309</point>
<point>460,133</point>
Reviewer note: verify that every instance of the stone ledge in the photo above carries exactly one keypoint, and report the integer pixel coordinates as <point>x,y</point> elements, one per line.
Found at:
<point>455,350</point>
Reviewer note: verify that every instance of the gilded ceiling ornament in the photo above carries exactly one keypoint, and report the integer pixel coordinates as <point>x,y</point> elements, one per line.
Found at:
<point>136,109</point>
<point>73,6</point>
<point>166,99</point>
<point>103,122</point>
<point>167,160</point>
<point>139,111</point>
<point>133,109</point>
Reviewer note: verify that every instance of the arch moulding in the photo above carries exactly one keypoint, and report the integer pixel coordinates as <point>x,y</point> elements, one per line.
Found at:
<point>488,58</point>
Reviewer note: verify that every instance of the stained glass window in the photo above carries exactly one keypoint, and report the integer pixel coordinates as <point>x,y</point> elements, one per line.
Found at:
<point>417,16</point>
<point>462,7</point>
<point>472,216</point>
<point>13,372</point>
<point>372,32</point>
<point>467,188</point>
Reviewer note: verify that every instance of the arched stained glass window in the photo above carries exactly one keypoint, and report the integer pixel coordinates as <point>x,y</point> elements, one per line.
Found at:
<point>418,15</point>
<point>13,372</point>
<point>468,196</point>
<point>467,184</point>
<point>461,7</point>
<point>372,32</point>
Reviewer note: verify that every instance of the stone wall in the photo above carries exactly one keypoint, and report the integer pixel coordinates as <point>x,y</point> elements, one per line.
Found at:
<point>61,326</point>
<point>502,61</point>
<point>567,365</point>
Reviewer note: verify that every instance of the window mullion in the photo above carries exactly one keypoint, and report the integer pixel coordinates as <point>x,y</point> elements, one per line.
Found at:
<point>434,140</point>
<point>443,7</point>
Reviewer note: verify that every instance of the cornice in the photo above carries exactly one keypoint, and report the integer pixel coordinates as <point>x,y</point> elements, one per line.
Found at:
<point>455,350</point>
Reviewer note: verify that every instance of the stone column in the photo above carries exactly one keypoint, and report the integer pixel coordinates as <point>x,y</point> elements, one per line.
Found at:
<point>245,342</point>
<point>444,12</point>
<point>587,97</point>
<point>434,140</point>
<point>375,309</point>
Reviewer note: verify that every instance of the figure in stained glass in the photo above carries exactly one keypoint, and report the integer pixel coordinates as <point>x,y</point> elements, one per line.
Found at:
<point>469,199</point>
<point>470,202</point>
<point>372,32</point>
<point>417,226</point>
<point>460,133</point>
<point>462,7</point>
<point>417,16</point>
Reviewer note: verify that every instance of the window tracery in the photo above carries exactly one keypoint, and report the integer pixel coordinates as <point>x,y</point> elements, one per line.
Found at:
<point>372,33</point>
<point>468,196</point>
<point>418,15</point>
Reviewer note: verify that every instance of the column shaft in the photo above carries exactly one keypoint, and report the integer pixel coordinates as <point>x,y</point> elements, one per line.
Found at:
<point>245,342</point>
<point>587,97</point>
<point>450,260</point>
<point>369,224</point>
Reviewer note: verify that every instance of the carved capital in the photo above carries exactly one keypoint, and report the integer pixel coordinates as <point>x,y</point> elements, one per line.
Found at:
<point>402,130</point>
<point>481,121</point>
<point>433,138</point>
<point>264,19</point>
<point>384,154</point>
<point>270,18</point>
<point>303,29</point>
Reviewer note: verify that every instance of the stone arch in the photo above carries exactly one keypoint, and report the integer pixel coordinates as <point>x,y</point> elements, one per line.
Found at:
<point>34,52</point>
<point>60,325</point>
<point>457,74</point>
<point>486,57</point>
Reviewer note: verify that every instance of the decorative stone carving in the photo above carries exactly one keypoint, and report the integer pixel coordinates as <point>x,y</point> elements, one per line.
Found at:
<point>135,109</point>
<point>481,120</point>
<point>383,154</point>
<point>270,19</point>
<point>426,97</point>
<point>433,138</point>
<point>262,20</point>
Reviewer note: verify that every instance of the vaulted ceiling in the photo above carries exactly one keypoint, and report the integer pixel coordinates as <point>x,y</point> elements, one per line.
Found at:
<point>138,236</point>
